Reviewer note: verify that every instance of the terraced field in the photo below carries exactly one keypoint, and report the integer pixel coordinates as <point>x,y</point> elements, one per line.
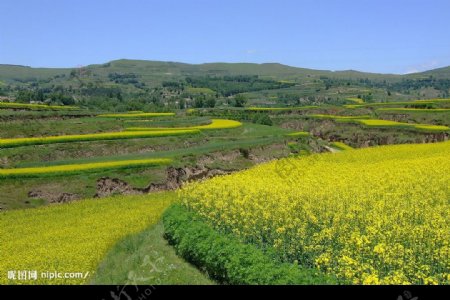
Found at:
<point>90,190</point>
<point>138,115</point>
<point>80,168</point>
<point>215,124</point>
<point>13,105</point>
<point>17,142</point>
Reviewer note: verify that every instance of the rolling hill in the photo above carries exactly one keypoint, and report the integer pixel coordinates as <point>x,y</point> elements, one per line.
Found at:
<point>126,84</point>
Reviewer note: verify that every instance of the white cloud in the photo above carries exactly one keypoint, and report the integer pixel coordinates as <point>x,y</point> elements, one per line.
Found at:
<point>428,65</point>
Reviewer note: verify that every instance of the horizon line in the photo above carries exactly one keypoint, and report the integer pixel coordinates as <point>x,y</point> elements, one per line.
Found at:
<point>220,62</point>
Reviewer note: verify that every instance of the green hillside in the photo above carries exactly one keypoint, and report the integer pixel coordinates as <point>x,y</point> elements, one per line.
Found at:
<point>123,85</point>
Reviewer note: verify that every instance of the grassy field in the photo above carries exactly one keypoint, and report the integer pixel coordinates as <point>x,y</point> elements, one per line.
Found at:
<point>148,257</point>
<point>200,91</point>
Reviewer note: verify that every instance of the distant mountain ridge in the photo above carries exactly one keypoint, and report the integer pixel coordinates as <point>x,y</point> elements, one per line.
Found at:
<point>10,72</point>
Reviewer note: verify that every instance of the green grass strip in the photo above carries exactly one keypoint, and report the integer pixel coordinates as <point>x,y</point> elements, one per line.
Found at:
<point>254,108</point>
<point>355,100</point>
<point>338,118</point>
<point>136,115</point>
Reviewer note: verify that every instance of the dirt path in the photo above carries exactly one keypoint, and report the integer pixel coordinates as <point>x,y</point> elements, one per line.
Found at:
<point>331,149</point>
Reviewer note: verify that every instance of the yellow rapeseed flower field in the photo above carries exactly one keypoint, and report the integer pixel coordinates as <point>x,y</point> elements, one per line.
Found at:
<point>253,108</point>
<point>355,100</point>
<point>298,134</point>
<point>16,142</point>
<point>376,104</point>
<point>215,124</point>
<point>418,110</point>
<point>341,146</point>
<point>371,216</point>
<point>13,105</point>
<point>394,124</point>
<point>71,237</point>
<point>322,116</point>
<point>339,118</point>
<point>80,168</point>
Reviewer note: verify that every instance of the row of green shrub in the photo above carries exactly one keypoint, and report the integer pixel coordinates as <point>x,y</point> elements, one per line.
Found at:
<point>225,258</point>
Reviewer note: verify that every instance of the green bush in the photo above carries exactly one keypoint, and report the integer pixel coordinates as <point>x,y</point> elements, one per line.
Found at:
<point>225,258</point>
<point>262,119</point>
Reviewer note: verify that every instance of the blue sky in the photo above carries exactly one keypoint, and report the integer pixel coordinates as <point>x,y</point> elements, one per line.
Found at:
<point>396,36</point>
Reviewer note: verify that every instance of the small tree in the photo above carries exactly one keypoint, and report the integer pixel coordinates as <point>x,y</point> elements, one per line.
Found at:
<point>239,100</point>
<point>262,119</point>
<point>198,102</point>
<point>210,102</point>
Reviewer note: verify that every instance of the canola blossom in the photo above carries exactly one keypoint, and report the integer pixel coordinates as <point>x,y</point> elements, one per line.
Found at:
<point>12,105</point>
<point>413,110</point>
<point>355,100</point>
<point>369,216</point>
<point>136,115</point>
<point>254,108</point>
<point>338,118</point>
<point>81,168</point>
<point>395,124</point>
<point>298,134</point>
<point>215,124</point>
<point>73,237</point>
<point>376,104</point>
<point>16,142</point>
<point>341,146</point>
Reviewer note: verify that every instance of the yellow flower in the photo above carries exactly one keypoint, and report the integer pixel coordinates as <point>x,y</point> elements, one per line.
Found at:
<point>374,215</point>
